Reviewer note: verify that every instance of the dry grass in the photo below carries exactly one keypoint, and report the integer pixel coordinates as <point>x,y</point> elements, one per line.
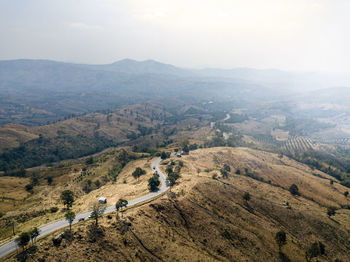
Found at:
<point>12,192</point>
<point>16,201</point>
<point>210,221</point>
<point>11,135</point>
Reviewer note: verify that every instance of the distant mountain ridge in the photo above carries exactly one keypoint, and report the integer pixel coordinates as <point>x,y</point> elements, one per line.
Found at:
<point>36,92</point>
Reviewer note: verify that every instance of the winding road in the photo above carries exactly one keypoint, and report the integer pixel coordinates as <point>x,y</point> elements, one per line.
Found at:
<point>11,246</point>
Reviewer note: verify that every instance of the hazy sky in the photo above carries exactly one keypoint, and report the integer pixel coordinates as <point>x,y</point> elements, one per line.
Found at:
<point>285,34</point>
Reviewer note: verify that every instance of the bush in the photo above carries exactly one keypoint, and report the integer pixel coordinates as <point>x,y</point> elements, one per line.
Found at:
<point>94,233</point>
<point>138,172</point>
<point>53,209</point>
<point>294,190</point>
<point>331,211</point>
<point>29,188</point>
<point>246,196</point>
<point>315,250</point>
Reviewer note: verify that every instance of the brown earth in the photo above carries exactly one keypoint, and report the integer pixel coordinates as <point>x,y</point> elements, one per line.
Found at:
<point>208,220</point>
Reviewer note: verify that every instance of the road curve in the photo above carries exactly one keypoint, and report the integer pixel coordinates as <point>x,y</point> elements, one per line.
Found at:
<point>11,246</point>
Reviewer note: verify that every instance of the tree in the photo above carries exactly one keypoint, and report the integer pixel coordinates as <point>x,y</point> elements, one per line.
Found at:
<point>315,250</point>
<point>227,167</point>
<point>169,170</point>
<point>67,198</point>
<point>171,179</point>
<point>223,173</point>
<point>163,155</point>
<point>49,180</point>
<point>281,239</point>
<point>294,190</point>
<point>10,222</point>
<point>121,204</point>
<point>246,196</point>
<point>34,181</point>
<point>29,188</point>
<point>34,233</point>
<point>153,183</point>
<point>331,211</point>
<point>89,160</point>
<point>23,239</point>
<point>346,193</point>
<point>138,172</point>
<point>70,216</point>
<point>97,211</point>
<point>186,149</point>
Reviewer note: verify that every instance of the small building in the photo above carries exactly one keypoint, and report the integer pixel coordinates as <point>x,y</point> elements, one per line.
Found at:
<point>102,200</point>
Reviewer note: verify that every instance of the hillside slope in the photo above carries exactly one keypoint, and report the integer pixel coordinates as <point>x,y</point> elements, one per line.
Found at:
<point>208,220</point>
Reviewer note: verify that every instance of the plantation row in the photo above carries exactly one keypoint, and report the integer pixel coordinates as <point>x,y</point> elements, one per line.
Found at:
<point>298,144</point>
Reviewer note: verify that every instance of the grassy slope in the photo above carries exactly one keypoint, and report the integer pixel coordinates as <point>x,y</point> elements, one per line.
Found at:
<point>114,125</point>
<point>209,220</point>
<point>14,200</point>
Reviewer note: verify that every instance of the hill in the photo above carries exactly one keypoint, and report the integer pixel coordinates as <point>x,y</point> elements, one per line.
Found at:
<point>37,92</point>
<point>207,219</point>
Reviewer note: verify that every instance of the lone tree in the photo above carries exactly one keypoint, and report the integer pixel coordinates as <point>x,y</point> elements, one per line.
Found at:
<point>97,211</point>
<point>49,180</point>
<point>29,188</point>
<point>294,190</point>
<point>246,196</point>
<point>70,216</point>
<point>67,198</point>
<point>163,155</point>
<point>138,172</point>
<point>346,193</point>
<point>23,239</point>
<point>121,204</point>
<point>34,233</point>
<point>153,183</point>
<point>315,250</point>
<point>281,239</point>
<point>331,211</point>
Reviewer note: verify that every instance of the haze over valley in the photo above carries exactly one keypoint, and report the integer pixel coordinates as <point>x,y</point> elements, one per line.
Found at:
<point>163,131</point>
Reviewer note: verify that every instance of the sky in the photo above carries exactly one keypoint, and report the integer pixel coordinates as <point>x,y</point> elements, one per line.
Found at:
<point>302,35</point>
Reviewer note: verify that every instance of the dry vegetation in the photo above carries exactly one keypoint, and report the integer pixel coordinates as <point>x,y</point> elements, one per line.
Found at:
<point>34,207</point>
<point>208,220</point>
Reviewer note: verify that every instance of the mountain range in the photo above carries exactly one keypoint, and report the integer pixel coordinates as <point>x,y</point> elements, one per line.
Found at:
<point>36,92</point>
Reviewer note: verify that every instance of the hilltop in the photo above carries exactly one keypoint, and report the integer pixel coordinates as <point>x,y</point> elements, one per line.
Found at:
<point>207,219</point>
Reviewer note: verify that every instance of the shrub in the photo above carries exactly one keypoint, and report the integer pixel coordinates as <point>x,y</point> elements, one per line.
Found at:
<point>331,211</point>
<point>53,209</point>
<point>246,196</point>
<point>138,172</point>
<point>294,190</point>
<point>281,239</point>
<point>315,250</point>
<point>29,188</point>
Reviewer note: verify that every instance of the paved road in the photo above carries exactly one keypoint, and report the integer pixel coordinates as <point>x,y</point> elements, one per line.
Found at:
<point>10,246</point>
